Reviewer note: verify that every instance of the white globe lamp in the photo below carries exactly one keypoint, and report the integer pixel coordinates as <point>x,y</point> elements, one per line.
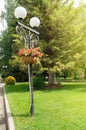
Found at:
<point>20,12</point>
<point>34,22</point>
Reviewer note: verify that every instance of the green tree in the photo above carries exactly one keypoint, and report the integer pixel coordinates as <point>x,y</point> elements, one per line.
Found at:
<point>62,33</point>
<point>6,42</point>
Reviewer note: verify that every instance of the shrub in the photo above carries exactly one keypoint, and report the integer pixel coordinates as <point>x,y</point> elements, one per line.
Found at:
<point>10,80</point>
<point>38,82</point>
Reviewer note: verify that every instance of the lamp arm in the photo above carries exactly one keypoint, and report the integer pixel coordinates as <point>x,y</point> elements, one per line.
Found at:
<point>27,28</point>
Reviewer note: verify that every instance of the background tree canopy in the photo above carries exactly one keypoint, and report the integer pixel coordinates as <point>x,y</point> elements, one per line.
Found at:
<point>62,38</point>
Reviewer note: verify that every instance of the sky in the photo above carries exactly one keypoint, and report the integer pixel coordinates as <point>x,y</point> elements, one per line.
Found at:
<point>76,2</point>
<point>2,8</point>
<point>2,5</point>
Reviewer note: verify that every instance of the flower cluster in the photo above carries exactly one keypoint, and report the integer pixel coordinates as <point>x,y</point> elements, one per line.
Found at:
<point>32,52</point>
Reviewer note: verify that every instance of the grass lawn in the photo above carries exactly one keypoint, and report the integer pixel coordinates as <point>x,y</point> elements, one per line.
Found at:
<point>61,109</point>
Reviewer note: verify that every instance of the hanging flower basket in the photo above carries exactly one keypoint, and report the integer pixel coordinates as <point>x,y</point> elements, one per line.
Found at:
<point>30,56</point>
<point>29,60</point>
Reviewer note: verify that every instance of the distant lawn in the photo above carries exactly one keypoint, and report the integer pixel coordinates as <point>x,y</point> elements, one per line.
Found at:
<point>61,109</point>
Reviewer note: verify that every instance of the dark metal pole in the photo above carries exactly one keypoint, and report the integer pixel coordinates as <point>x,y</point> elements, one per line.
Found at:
<point>31,89</point>
<point>30,80</point>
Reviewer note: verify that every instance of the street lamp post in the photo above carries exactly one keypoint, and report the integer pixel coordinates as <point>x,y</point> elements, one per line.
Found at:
<point>30,37</point>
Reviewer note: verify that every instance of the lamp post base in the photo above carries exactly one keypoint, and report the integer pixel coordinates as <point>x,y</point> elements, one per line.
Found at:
<point>31,110</point>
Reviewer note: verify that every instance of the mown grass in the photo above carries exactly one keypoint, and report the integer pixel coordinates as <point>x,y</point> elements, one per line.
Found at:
<point>60,109</point>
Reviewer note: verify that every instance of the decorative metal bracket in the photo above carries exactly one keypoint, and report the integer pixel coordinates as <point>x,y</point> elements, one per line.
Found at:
<point>27,35</point>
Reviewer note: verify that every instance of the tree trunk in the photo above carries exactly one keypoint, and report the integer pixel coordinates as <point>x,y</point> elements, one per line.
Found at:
<point>52,79</point>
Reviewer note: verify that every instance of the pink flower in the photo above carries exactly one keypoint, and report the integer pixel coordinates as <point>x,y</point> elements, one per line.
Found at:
<point>21,52</point>
<point>34,52</point>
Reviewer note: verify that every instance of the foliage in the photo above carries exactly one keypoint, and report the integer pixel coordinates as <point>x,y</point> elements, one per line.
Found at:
<point>62,34</point>
<point>7,40</point>
<point>63,38</point>
<point>10,80</point>
<point>18,70</point>
<point>38,82</point>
